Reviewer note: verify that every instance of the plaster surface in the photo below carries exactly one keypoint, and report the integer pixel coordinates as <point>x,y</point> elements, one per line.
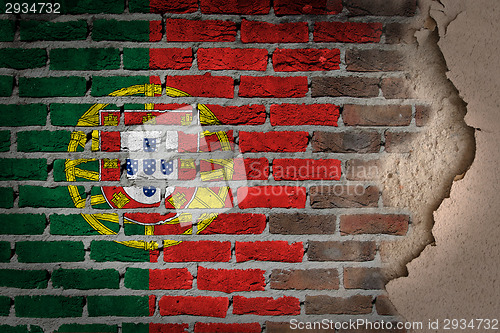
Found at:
<point>457,276</point>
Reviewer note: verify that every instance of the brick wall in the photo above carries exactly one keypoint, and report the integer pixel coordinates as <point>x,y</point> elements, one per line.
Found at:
<point>309,95</point>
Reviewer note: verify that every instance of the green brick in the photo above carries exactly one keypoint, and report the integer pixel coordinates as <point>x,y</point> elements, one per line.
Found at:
<point>38,196</point>
<point>135,328</point>
<point>58,251</point>
<point>86,279</point>
<point>92,59</point>
<point>137,278</point>
<point>13,115</point>
<point>132,229</point>
<point>87,328</point>
<point>7,30</point>
<point>6,197</point>
<point>97,191</point>
<point>93,7</point>
<point>5,252</point>
<point>20,329</point>
<point>22,58</point>
<point>50,141</point>
<point>101,251</point>
<point>60,172</point>
<point>4,305</point>
<point>24,279</point>
<point>104,85</point>
<point>76,225</point>
<point>4,141</point>
<point>138,6</point>
<point>48,306</point>
<point>136,58</point>
<point>23,169</point>
<point>69,86</point>
<point>52,31</point>
<point>69,114</point>
<point>121,306</point>
<point>22,224</point>
<point>6,85</point>
<point>132,31</point>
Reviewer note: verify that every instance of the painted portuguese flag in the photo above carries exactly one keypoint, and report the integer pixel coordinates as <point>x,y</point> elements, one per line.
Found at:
<point>159,141</point>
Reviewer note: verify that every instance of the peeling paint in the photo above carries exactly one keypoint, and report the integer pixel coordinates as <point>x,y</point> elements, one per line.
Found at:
<point>457,277</point>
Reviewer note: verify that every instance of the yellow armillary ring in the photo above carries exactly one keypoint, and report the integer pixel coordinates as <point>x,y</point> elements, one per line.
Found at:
<point>91,118</point>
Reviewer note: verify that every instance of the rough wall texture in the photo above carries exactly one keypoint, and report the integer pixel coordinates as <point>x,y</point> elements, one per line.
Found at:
<point>337,119</point>
<point>463,263</point>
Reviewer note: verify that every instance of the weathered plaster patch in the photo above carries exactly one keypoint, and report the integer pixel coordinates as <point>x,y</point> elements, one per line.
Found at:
<point>458,277</point>
<point>419,179</point>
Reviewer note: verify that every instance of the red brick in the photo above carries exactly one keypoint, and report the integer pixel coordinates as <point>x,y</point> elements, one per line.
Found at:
<point>227,58</point>
<point>285,141</point>
<point>343,196</point>
<point>301,224</point>
<point>304,114</point>
<point>305,169</point>
<point>181,30</point>
<point>194,306</point>
<point>110,173</point>
<point>269,251</point>
<point>345,86</point>
<point>170,58</point>
<point>273,86</point>
<point>263,32</point>
<point>316,279</point>
<point>155,34</point>
<point>254,114</point>
<point>203,85</point>
<point>341,251</point>
<point>363,278</point>
<point>323,304</point>
<point>374,224</point>
<point>230,280</point>
<point>110,141</point>
<point>236,224</point>
<point>266,306</point>
<point>174,278</point>
<point>347,32</point>
<point>244,7</point>
<point>242,169</point>
<point>198,251</point>
<point>256,168</point>
<point>372,60</point>
<point>296,7</point>
<point>271,197</point>
<point>227,328</point>
<point>173,6</point>
<point>135,117</point>
<point>346,142</point>
<point>290,60</point>
<point>377,115</point>
<point>395,87</point>
<point>152,304</point>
